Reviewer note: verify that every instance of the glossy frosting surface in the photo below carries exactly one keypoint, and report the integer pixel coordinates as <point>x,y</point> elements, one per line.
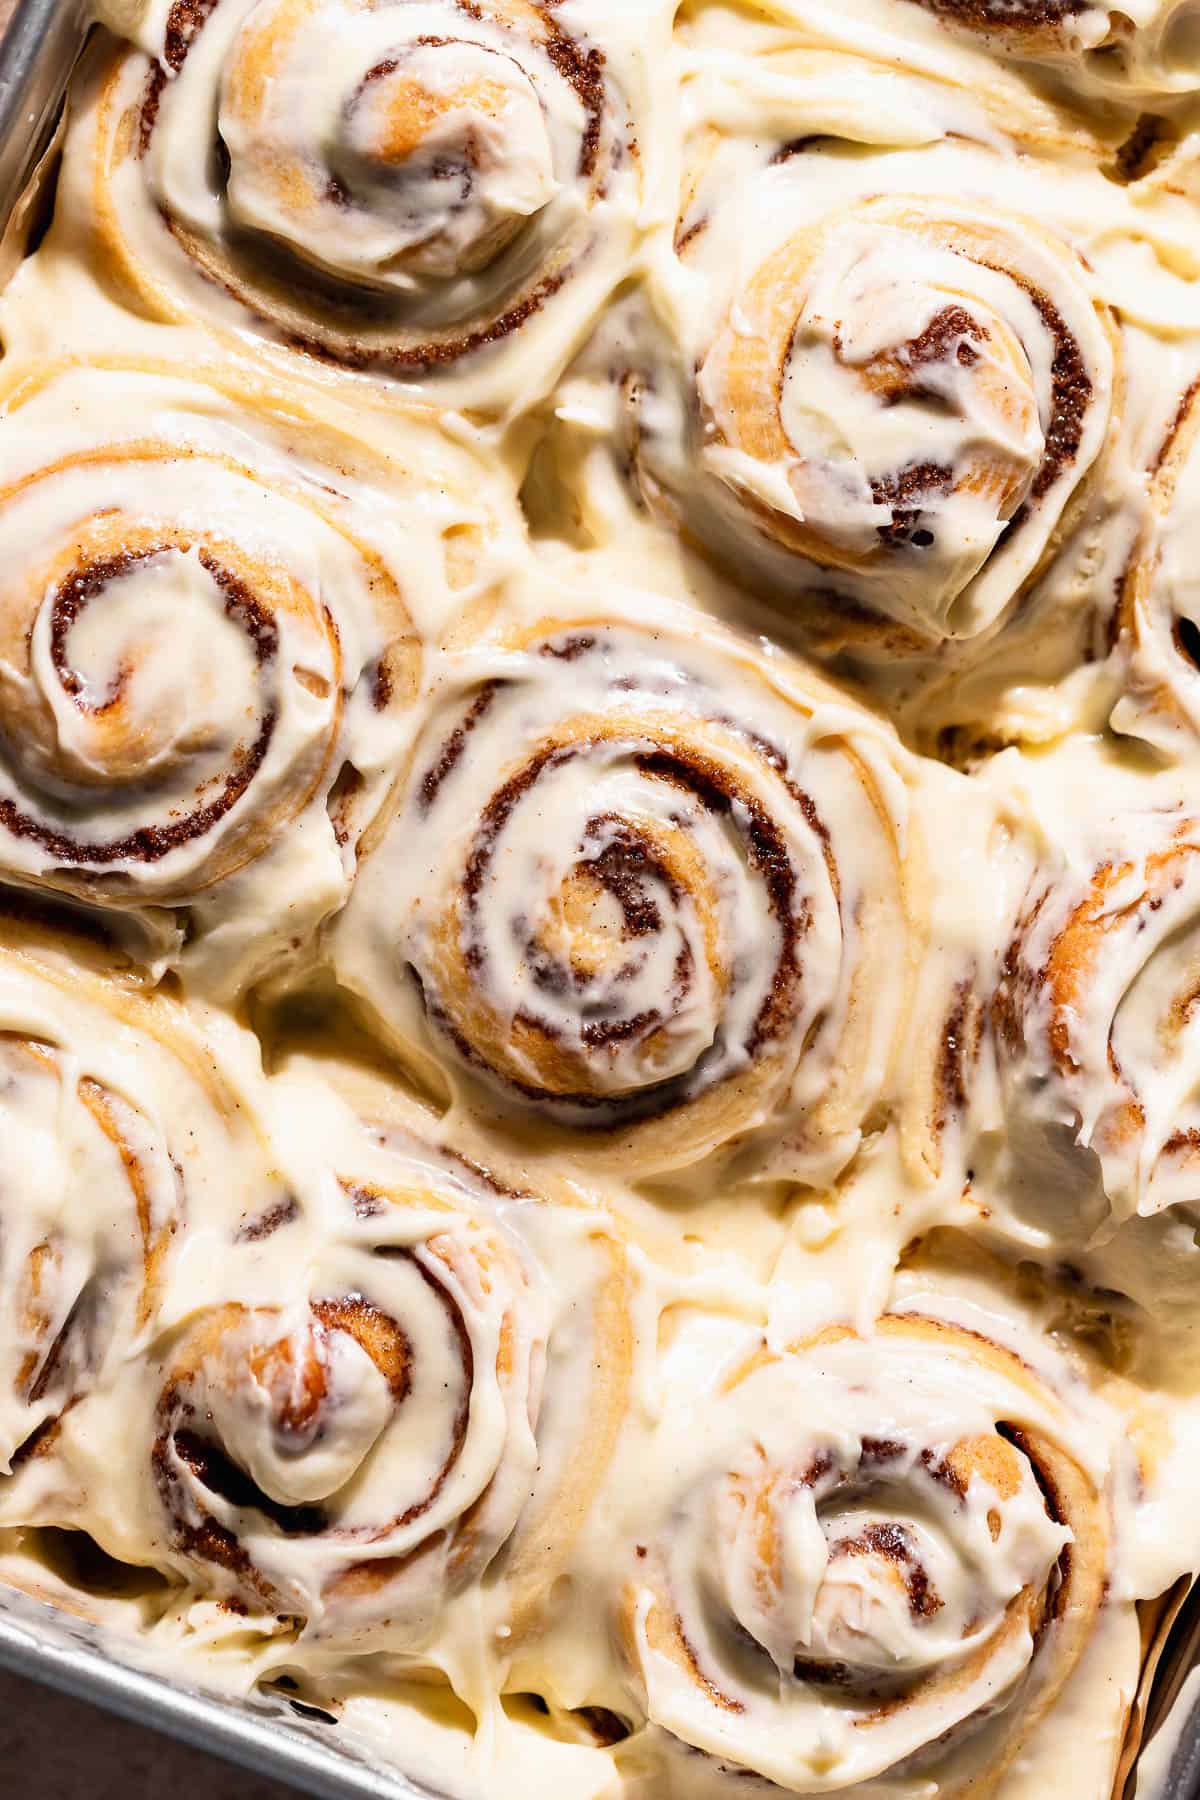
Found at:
<point>600,883</point>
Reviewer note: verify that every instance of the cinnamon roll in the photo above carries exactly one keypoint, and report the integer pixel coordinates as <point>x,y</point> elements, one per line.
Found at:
<point>398,188</point>
<point>598,973</point>
<point>1157,621</point>
<point>903,385</point>
<point>876,1560</point>
<point>1129,52</point>
<point>355,1455</point>
<point>206,656</point>
<point>1126,53</point>
<point>116,1126</point>
<point>267,1415</point>
<point>1094,1012</point>
<point>645,889</point>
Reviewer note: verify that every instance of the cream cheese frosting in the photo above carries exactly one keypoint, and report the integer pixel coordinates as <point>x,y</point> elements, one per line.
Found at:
<point>598,955</point>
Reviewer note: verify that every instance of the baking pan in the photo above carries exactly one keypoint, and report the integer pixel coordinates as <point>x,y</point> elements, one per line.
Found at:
<point>41,41</point>
<point>264,1735</point>
<point>268,1733</point>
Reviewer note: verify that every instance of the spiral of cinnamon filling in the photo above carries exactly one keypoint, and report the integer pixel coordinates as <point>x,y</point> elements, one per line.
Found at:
<point>1156,627</point>
<point>394,187</point>
<point>899,404</point>
<point>105,1202</point>
<point>640,889</point>
<point>877,1557</point>
<point>115,1125</point>
<point>1095,1013</point>
<point>354,1457</point>
<point>196,637</point>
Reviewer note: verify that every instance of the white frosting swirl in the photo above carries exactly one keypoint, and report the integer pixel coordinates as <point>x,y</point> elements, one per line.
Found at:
<point>117,1131</point>
<point>1096,1010</point>
<point>206,654</point>
<point>645,1243</point>
<point>898,404</point>
<point>650,902</point>
<point>405,189</point>
<point>867,1555</point>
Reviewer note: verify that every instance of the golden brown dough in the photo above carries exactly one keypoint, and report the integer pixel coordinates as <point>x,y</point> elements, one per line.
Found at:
<point>598,955</point>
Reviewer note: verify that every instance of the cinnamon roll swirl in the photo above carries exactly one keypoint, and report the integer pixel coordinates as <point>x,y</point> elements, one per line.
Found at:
<point>266,1415</point>
<point>1094,1012</point>
<point>641,887</point>
<point>901,393</point>
<point>875,1558</point>
<point>1157,621</point>
<point>206,657</point>
<point>1141,51</point>
<point>397,188</point>
<point>1135,51</point>
<point>604,1204</point>
<point>357,1455</point>
<point>115,1126</point>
